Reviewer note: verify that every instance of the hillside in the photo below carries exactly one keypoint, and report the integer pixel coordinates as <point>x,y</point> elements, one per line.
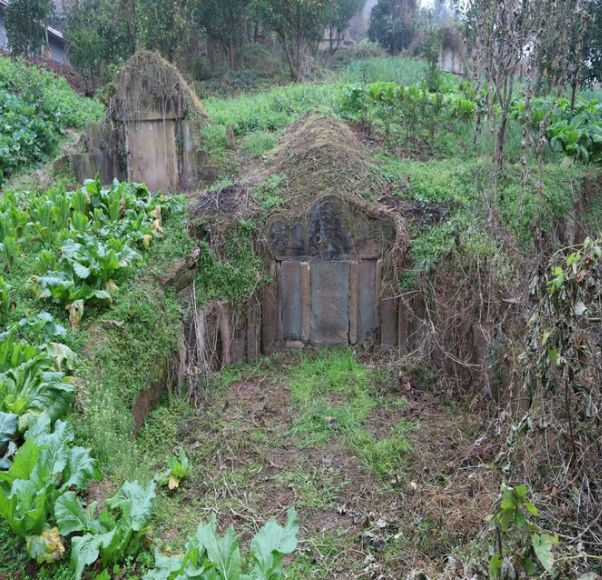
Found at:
<point>129,444</point>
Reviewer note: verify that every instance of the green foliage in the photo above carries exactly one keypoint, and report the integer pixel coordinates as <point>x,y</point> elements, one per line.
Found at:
<point>400,70</point>
<point>45,468</point>
<point>36,107</point>
<point>392,24</point>
<point>26,21</point>
<point>420,109</point>
<point>30,383</point>
<point>177,470</point>
<point>5,301</point>
<point>209,555</point>
<point>299,26</point>
<point>514,512</point>
<point>235,275</point>
<point>119,530</point>
<point>94,231</point>
<point>98,45</point>
<point>387,457</point>
<point>577,131</point>
<point>268,195</point>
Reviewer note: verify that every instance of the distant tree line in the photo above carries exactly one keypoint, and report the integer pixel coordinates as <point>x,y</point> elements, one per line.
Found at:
<point>205,35</point>
<point>103,33</point>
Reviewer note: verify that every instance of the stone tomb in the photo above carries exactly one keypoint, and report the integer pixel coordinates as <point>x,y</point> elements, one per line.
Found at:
<point>328,276</point>
<point>152,132</point>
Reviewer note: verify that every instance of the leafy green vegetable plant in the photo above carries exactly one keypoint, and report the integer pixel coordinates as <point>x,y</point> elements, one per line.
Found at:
<point>209,555</point>
<point>45,467</point>
<point>30,384</point>
<point>176,472</point>
<point>119,531</point>
<point>5,301</point>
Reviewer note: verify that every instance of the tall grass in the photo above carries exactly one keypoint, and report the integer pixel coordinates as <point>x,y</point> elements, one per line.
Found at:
<point>403,70</point>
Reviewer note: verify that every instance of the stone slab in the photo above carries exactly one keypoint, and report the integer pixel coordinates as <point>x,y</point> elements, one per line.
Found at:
<point>152,154</point>
<point>270,320</point>
<point>329,323</point>
<point>366,305</point>
<point>353,303</point>
<point>403,328</point>
<point>289,290</point>
<point>253,328</point>
<point>305,300</point>
<point>390,322</point>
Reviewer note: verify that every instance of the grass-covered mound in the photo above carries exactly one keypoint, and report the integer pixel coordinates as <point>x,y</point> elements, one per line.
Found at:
<point>36,108</point>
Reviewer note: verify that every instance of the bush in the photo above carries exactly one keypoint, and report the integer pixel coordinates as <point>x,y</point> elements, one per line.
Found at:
<point>36,107</point>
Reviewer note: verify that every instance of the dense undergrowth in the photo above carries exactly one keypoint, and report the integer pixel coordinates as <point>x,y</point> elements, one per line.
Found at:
<point>66,251</point>
<point>420,129</point>
<point>87,325</point>
<point>36,108</point>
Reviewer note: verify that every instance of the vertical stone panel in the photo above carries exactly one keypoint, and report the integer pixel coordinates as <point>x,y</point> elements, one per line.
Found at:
<point>305,300</point>
<point>330,303</point>
<point>367,299</point>
<point>291,312</point>
<point>353,303</point>
<point>403,331</point>
<point>270,320</point>
<point>252,328</point>
<point>152,154</point>
<point>389,325</point>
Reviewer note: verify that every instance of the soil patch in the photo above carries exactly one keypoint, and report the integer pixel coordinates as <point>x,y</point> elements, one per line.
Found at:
<point>353,524</point>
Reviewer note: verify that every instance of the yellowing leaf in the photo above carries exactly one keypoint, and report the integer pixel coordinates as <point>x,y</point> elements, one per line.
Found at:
<point>157,226</point>
<point>76,311</point>
<point>46,548</point>
<point>172,482</point>
<point>111,287</point>
<point>147,240</point>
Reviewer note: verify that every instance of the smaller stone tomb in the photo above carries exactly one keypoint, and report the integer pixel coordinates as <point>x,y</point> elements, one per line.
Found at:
<point>152,132</point>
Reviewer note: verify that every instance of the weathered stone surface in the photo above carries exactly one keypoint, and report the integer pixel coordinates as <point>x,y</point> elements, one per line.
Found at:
<point>306,300</point>
<point>331,230</point>
<point>194,157</point>
<point>83,166</point>
<point>389,322</point>
<point>403,331</point>
<point>153,133</point>
<point>238,344</point>
<point>146,107</point>
<point>289,289</point>
<point>330,303</point>
<point>329,238</point>
<point>366,304</point>
<point>270,319</point>
<point>152,155</point>
<point>182,273</point>
<point>353,303</point>
<point>253,328</point>
<point>148,399</point>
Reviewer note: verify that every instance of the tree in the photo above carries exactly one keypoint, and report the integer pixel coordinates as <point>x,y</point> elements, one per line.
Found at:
<point>162,26</point>
<point>26,23</point>
<point>503,36</point>
<point>299,25</point>
<point>592,54</point>
<point>392,24</point>
<point>109,38</point>
<point>225,22</point>
<point>339,15</point>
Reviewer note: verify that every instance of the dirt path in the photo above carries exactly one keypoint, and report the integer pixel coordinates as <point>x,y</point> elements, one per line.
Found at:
<point>372,472</point>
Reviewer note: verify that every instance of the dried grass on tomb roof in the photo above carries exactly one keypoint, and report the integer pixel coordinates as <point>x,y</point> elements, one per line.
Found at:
<point>147,74</point>
<point>318,157</point>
